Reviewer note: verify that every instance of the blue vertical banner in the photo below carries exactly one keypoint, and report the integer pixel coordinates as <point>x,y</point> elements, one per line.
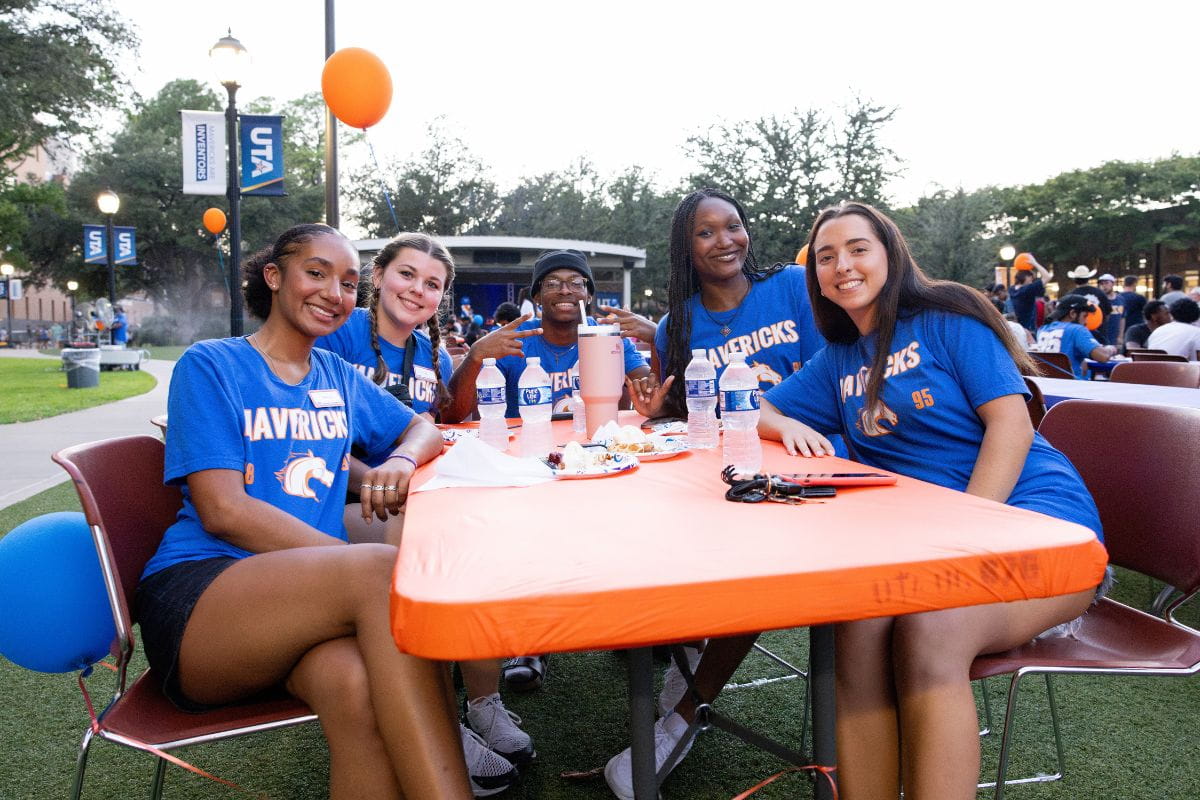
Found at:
<point>262,155</point>
<point>95,246</point>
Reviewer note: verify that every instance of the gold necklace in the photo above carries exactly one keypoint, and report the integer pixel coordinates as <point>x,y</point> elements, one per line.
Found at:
<point>270,361</point>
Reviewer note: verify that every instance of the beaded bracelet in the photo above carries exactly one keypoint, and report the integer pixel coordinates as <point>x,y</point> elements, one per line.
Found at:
<point>405,456</point>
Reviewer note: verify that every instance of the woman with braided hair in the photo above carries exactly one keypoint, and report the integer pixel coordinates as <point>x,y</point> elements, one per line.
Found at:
<point>411,277</point>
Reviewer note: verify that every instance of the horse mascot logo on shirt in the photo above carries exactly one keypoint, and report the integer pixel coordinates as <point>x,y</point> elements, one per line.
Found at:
<point>301,469</point>
<point>764,374</point>
<point>869,422</point>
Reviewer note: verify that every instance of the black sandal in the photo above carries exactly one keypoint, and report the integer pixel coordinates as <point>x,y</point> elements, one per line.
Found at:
<point>525,673</point>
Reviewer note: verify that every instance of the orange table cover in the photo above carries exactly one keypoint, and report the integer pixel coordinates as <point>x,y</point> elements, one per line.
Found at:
<point>658,555</point>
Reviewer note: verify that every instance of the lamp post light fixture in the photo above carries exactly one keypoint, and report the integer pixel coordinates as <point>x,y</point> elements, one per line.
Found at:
<point>7,270</point>
<point>230,59</point>
<point>108,203</point>
<point>72,287</point>
<point>1007,254</point>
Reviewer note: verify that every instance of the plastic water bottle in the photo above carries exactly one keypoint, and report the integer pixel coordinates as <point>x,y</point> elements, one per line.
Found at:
<point>739,414</point>
<point>578,413</point>
<point>700,387</point>
<point>491,400</point>
<point>535,401</point>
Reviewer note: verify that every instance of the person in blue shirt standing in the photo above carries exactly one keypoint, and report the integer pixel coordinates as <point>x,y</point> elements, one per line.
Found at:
<point>1028,286</point>
<point>1065,333</point>
<point>119,329</point>
<point>923,379</point>
<point>255,585</point>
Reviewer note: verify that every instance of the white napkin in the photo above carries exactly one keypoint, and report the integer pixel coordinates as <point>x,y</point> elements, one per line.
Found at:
<point>606,432</point>
<point>472,463</point>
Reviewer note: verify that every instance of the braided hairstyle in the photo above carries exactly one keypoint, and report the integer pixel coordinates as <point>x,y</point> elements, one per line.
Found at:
<point>422,243</point>
<point>684,282</point>
<point>907,291</point>
<point>254,285</point>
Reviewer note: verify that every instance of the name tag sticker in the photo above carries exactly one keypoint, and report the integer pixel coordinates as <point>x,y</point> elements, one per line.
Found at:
<point>326,398</point>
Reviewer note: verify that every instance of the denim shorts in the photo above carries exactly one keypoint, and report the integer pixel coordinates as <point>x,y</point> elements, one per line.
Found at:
<point>164,603</point>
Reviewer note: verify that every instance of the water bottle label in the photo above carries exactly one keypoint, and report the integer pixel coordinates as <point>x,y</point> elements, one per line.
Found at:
<point>739,400</point>
<point>535,396</point>
<point>490,395</point>
<point>701,388</point>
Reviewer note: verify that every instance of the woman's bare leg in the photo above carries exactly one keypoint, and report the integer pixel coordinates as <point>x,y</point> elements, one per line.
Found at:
<point>481,678</point>
<point>251,627</point>
<point>868,734</point>
<point>932,655</point>
<point>332,679</point>
<point>720,660</point>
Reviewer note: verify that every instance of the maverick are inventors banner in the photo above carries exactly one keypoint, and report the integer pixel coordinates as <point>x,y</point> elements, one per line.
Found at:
<point>203,143</point>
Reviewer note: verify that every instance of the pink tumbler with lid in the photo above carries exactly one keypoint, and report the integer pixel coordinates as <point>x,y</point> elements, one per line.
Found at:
<point>601,373</point>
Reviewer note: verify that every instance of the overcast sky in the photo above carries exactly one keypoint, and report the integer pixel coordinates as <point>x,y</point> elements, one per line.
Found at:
<point>988,93</point>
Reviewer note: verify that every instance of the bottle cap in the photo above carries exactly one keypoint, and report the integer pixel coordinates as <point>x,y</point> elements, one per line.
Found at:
<point>737,356</point>
<point>489,362</point>
<point>699,352</point>
<point>531,360</point>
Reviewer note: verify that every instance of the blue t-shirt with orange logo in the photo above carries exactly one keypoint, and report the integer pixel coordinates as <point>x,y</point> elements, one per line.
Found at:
<point>942,368</point>
<point>227,410</point>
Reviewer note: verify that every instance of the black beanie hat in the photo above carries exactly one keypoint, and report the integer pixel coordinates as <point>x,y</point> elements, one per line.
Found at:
<point>561,259</point>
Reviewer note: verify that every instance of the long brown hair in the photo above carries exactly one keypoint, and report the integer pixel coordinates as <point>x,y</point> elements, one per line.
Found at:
<point>422,243</point>
<point>906,291</point>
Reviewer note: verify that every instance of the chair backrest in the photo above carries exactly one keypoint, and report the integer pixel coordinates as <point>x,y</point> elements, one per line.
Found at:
<point>120,486</point>
<point>1136,356</point>
<point>1142,467</point>
<point>1036,404</point>
<point>1158,373</point>
<point>1132,350</point>
<point>1052,365</point>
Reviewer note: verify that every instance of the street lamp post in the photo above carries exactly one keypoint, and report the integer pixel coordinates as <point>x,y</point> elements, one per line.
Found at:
<point>109,204</point>
<point>7,271</point>
<point>1007,254</point>
<point>72,287</point>
<point>229,60</point>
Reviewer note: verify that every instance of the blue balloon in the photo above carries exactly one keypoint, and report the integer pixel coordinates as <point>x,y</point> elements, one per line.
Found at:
<point>56,616</point>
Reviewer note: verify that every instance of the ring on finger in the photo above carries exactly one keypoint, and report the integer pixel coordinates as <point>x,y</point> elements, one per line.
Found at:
<point>378,488</point>
<point>389,488</point>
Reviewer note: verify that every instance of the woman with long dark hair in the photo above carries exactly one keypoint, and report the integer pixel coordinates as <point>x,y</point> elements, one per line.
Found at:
<point>255,584</point>
<point>923,379</point>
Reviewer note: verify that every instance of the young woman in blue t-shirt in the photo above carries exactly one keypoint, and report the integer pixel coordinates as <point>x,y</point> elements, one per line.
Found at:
<point>922,378</point>
<point>254,585</point>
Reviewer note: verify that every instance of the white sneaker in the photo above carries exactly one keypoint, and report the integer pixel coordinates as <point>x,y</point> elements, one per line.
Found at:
<point>674,685</point>
<point>488,717</point>
<point>490,773</point>
<point>618,772</point>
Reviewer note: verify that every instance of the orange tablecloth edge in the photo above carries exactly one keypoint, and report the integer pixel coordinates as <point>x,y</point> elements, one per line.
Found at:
<point>634,617</point>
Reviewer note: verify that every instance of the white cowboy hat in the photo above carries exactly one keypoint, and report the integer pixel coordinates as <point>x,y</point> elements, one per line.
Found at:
<point>1081,272</point>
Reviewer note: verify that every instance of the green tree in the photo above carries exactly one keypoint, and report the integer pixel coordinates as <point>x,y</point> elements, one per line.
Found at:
<point>1113,212</point>
<point>444,190</point>
<point>785,169</point>
<point>565,205</point>
<point>59,70</point>
<point>948,234</point>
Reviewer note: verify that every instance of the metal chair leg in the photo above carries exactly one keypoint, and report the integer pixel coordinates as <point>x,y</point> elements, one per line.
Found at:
<point>81,764</point>
<point>987,708</point>
<point>1008,732</point>
<point>160,773</point>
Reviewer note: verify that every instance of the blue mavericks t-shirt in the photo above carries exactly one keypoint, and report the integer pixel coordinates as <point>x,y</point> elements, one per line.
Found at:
<point>292,443</point>
<point>352,341</point>
<point>1070,338</point>
<point>942,368</point>
<point>560,363</point>
<point>773,326</point>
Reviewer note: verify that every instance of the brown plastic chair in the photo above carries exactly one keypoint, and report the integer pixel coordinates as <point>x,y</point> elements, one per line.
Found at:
<point>1052,365</point>
<point>1036,404</point>
<point>1132,350</point>
<point>120,485</point>
<point>1158,373</point>
<point>1149,526</point>
<point>1143,356</point>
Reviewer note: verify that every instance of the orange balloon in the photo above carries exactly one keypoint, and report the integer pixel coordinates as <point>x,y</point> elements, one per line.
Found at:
<point>1024,261</point>
<point>214,221</point>
<point>802,256</point>
<point>356,86</point>
<point>1094,318</point>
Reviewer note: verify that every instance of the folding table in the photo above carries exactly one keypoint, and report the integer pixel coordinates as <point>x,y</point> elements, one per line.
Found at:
<point>658,555</point>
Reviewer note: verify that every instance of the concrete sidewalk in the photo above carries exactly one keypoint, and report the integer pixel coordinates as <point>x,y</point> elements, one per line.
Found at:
<point>26,446</point>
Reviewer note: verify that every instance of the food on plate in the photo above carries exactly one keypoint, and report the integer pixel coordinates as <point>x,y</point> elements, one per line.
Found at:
<point>632,441</point>
<point>574,457</point>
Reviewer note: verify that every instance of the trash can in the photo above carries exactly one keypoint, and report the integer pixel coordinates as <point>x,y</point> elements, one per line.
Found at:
<point>82,367</point>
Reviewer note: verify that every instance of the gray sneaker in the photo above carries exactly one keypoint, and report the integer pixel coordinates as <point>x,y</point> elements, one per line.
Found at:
<point>490,773</point>
<point>618,772</point>
<point>488,717</point>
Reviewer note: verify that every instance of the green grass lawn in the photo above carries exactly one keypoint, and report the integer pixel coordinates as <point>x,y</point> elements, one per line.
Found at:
<point>1126,738</point>
<point>35,388</point>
